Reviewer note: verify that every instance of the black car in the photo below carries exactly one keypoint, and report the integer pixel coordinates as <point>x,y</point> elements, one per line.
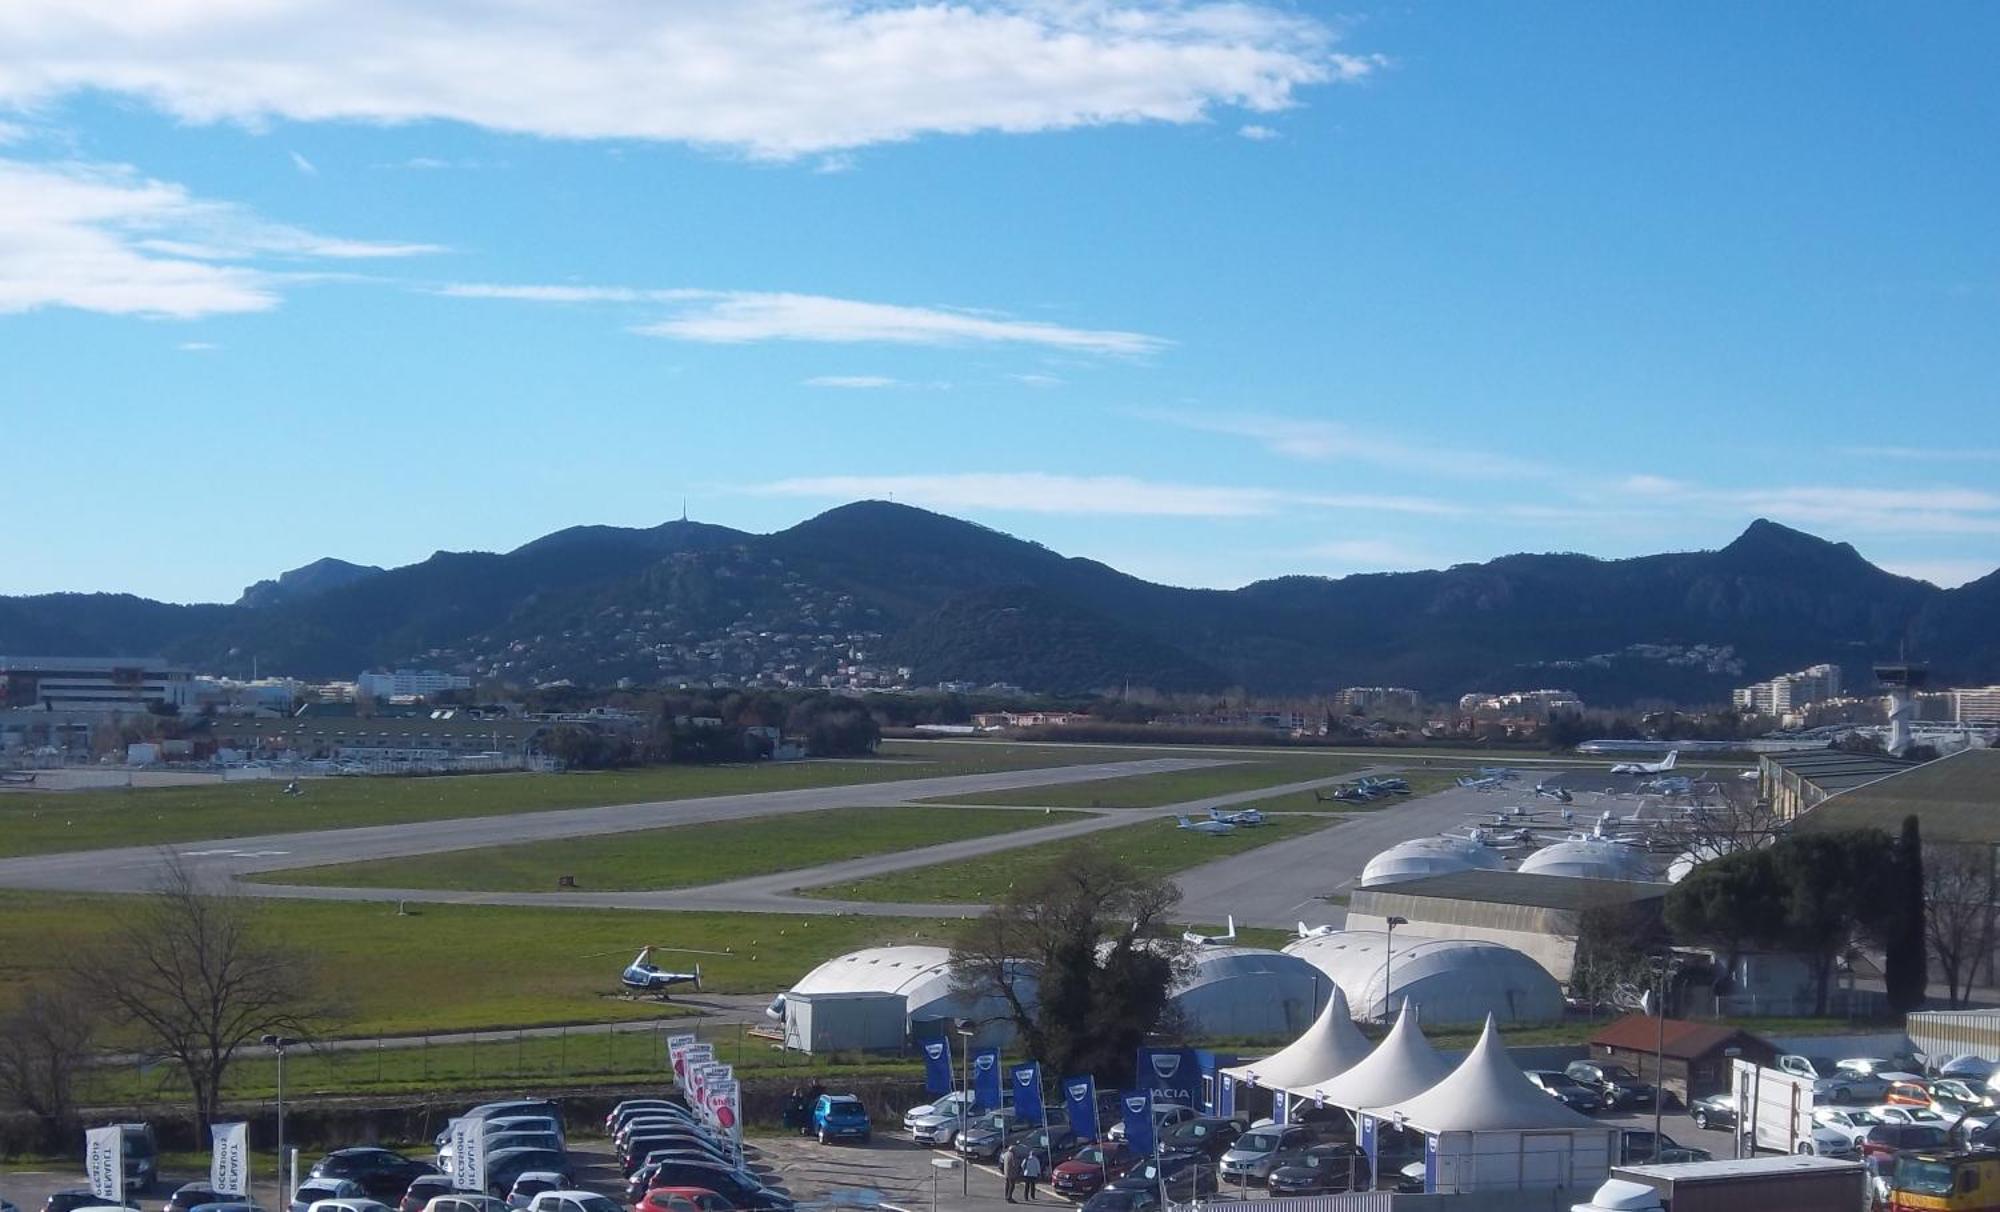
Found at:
<point>1572,1094</point>
<point>1187,1176</point>
<point>1208,1135</point>
<point>188,1196</point>
<point>383,1174</point>
<point>1123,1199</point>
<point>70,1201</point>
<point>424,1189</point>
<point>734,1185</point>
<point>1053,1145</point>
<point>1617,1085</point>
<point>1320,1170</point>
<point>1713,1111</point>
<point>504,1167</point>
<point>637,1147</point>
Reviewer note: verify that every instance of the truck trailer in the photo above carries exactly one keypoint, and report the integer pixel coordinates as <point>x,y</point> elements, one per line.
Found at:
<point>1794,1183</point>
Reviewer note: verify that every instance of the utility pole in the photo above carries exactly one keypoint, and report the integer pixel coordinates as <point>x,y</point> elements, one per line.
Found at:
<point>278,1044</point>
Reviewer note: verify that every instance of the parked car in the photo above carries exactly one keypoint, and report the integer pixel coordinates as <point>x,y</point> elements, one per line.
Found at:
<point>188,1196</point>
<point>1574,1095</point>
<point>936,1123</point>
<point>422,1190</point>
<point>1973,1070</point>
<point>142,1159</point>
<point>504,1167</point>
<point>639,1146</point>
<point>525,1140</point>
<point>572,1201</point>
<point>1713,1111</point>
<point>348,1205</point>
<point>682,1199</point>
<point>1903,1113</point>
<point>1884,1141</point>
<point>739,1187</point>
<point>1832,1083</point>
<point>839,1117</point>
<point>1255,1153</point>
<point>465,1201</point>
<point>1319,1170</point>
<point>530,1183</point>
<point>313,1190</point>
<point>984,1137</point>
<point>1187,1177</point>
<point>1209,1135</point>
<point>1958,1090</point>
<point>1853,1122</point>
<point>1091,1168</point>
<point>1053,1145</point>
<point>70,1201</point>
<point>1123,1199</point>
<point>229,1203</point>
<point>1638,1147</point>
<point>1867,1066</point>
<point>384,1175</point>
<point>1166,1117</point>
<point>1908,1092</point>
<point>1618,1086</point>
<point>675,1171</point>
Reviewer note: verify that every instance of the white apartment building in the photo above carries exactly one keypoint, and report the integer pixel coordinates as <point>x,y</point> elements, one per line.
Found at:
<point>409,683</point>
<point>110,684</point>
<point>1378,698</point>
<point>1976,705</point>
<point>1523,702</point>
<point>1788,692</point>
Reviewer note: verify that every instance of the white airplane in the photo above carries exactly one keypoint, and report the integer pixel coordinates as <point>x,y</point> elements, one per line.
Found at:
<point>1306,931</point>
<point>1213,828</point>
<point>1748,776</point>
<point>1244,816</point>
<point>1203,940</point>
<point>1482,783</point>
<point>1660,767</point>
<point>644,977</point>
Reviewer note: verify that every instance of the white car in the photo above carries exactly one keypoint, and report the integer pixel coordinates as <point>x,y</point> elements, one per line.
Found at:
<point>936,1123</point>
<point>466,1203</point>
<point>572,1201</point>
<point>1853,1121</point>
<point>1898,1113</point>
<point>1867,1066</point>
<point>1828,1142</point>
<point>347,1205</point>
<point>1166,1116</point>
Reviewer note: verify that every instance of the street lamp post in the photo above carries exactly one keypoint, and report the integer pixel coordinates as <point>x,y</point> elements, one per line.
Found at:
<point>278,1044</point>
<point>1667,966</point>
<point>965,1028</point>
<point>1388,953</point>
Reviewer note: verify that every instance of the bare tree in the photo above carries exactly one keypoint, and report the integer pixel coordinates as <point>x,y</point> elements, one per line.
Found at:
<point>1958,912</point>
<point>1725,816</point>
<point>45,1041</point>
<point>198,973</point>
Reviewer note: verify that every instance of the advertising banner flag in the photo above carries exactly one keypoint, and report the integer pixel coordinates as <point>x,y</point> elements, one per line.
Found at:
<point>468,1154</point>
<point>1137,1108</point>
<point>1028,1092</point>
<point>1172,1074</point>
<point>986,1095</point>
<point>104,1162</point>
<point>1080,1100</point>
<point>725,1110</point>
<point>937,1066</point>
<point>692,1055</point>
<point>676,1046</point>
<point>229,1165</point>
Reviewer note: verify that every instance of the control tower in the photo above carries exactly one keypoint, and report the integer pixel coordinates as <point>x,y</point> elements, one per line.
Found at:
<point>1902,679</point>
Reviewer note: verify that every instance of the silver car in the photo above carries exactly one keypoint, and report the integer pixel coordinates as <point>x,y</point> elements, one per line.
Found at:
<point>1255,1153</point>
<point>937,1123</point>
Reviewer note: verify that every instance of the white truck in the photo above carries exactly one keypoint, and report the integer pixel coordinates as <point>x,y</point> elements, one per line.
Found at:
<point>1774,1111</point>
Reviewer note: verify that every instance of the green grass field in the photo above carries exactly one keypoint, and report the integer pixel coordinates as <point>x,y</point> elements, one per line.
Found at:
<point>1155,847</point>
<point>469,967</point>
<point>44,822</point>
<point>1155,790</point>
<point>683,856</point>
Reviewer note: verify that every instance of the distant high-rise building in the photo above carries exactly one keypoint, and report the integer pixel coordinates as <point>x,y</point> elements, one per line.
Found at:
<point>1378,698</point>
<point>1788,692</point>
<point>409,683</point>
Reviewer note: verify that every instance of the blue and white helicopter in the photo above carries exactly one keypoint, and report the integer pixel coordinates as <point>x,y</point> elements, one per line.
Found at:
<point>642,976</point>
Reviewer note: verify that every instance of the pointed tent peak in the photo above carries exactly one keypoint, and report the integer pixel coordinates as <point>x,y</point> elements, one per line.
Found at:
<point>1486,1092</point>
<point>1330,1046</point>
<point>1404,1064</point>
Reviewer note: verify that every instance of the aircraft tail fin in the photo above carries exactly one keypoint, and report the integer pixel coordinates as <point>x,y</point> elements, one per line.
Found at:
<point>697,976</point>
<point>1673,755</point>
<point>1231,919</point>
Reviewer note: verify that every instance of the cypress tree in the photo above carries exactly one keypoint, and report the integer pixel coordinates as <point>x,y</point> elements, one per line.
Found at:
<point>1906,966</point>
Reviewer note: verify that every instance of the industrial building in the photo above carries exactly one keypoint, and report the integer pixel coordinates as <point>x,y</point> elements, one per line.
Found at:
<point>1536,915</point>
<point>1450,981</point>
<point>102,684</point>
<point>439,736</point>
<point>1796,783</point>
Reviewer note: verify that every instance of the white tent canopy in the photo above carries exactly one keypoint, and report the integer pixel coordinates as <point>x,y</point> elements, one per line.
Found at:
<point>1403,1065</point>
<point>1332,1045</point>
<point>1486,1093</point>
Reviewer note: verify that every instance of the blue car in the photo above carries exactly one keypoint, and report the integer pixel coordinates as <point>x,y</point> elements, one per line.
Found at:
<point>839,1117</point>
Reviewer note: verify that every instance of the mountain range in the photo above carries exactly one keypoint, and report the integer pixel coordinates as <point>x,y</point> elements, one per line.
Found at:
<point>882,585</point>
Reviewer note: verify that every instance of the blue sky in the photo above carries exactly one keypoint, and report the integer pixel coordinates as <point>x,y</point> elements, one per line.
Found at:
<point>1211,292</point>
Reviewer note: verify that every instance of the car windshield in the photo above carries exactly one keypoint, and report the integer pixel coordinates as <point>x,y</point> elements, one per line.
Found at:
<point>1195,1131</point>
<point>1618,1073</point>
<point>1258,1142</point>
<point>138,1144</point>
<point>1923,1177</point>
<point>596,1203</point>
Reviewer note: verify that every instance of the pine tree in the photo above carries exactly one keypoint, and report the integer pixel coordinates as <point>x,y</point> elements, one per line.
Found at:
<point>1906,968</point>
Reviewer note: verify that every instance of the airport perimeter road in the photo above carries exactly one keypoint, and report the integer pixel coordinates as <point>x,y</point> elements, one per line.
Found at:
<point>1282,885</point>
<point>136,868</point>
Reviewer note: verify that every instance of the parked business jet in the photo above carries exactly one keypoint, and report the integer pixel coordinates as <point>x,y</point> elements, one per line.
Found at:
<point>1204,940</point>
<point>1211,827</point>
<point>1660,767</point>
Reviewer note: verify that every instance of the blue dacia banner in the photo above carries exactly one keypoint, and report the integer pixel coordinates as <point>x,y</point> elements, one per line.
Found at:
<point>1028,1092</point>
<point>986,1095</point>
<point>937,1066</point>
<point>1137,1108</point>
<point>1080,1100</point>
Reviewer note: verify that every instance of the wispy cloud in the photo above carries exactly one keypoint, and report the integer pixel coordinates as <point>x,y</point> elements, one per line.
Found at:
<point>197,347</point>
<point>1045,493</point>
<point>1037,380</point>
<point>1255,133</point>
<point>853,382</point>
<point>304,165</point>
<point>773,78</point>
<point>1926,454</point>
<point>1918,510</point>
<point>1331,441</point>
<point>104,238</point>
<point>737,317</point>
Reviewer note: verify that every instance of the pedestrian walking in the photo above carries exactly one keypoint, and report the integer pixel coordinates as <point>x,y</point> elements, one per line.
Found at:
<point>1031,1171</point>
<point>1010,1170</point>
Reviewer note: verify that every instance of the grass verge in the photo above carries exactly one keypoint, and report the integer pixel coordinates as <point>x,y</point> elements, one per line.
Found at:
<point>1155,847</point>
<point>1156,790</point>
<point>682,856</point>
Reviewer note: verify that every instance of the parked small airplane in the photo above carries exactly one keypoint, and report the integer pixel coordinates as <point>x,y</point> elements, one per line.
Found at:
<point>1203,940</point>
<point>1481,783</point>
<point>1306,931</point>
<point>642,975</point>
<point>1660,767</point>
<point>1748,776</point>
<point>17,777</point>
<point>1242,816</point>
<point>1212,828</point>
<point>1549,791</point>
<point>1502,773</point>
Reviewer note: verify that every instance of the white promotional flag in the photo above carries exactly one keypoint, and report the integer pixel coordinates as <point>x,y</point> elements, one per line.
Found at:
<point>229,1168</point>
<point>104,1162</point>
<point>677,1046</point>
<point>468,1154</point>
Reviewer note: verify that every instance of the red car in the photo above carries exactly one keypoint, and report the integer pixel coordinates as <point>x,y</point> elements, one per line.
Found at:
<point>1091,1168</point>
<point>682,1199</point>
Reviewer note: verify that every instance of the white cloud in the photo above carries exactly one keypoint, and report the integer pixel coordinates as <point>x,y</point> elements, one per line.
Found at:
<point>1035,380</point>
<point>1921,454</point>
<point>1918,510</point>
<point>1256,133</point>
<point>735,317</point>
<point>775,78</point>
<point>304,165</point>
<point>853,382</point>
<point>1332,441</point>
<point>12,132</point>
<point>197,347</point>
<point>103,238</point>
<point>1042,492</point>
